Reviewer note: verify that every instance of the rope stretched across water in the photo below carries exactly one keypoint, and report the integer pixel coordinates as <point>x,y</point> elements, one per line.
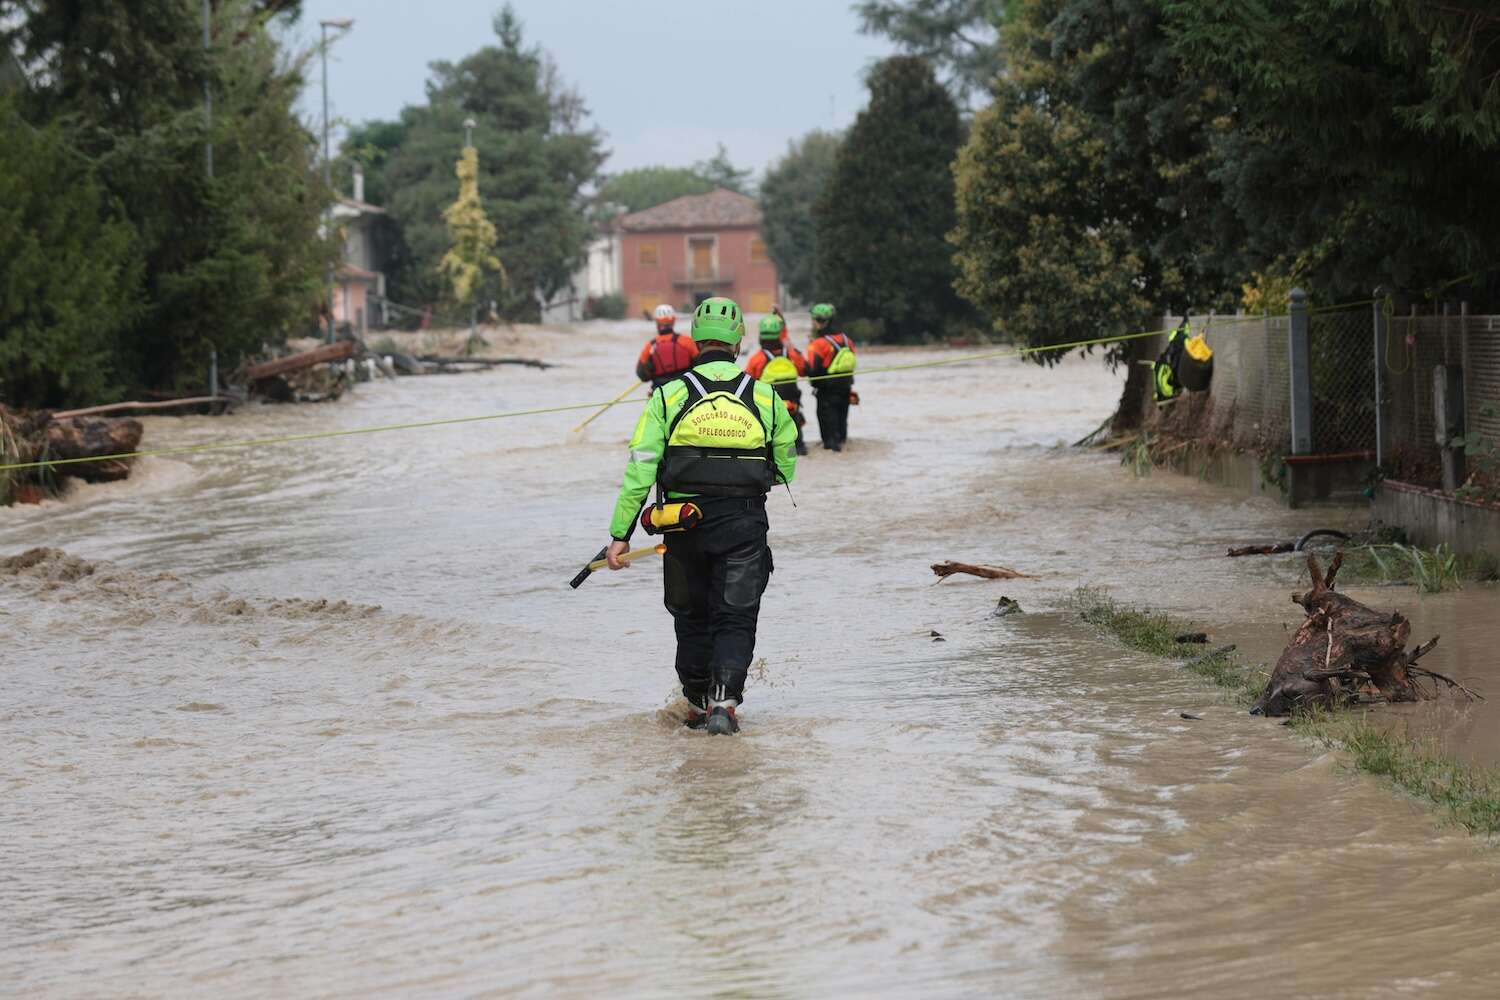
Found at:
<point>1011,352</point>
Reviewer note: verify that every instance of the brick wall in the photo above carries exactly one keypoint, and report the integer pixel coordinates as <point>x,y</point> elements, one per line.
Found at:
<point>651,261</point>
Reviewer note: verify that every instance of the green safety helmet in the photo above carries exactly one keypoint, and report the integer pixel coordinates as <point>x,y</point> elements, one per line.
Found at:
<point>822,311</point>
<point>771,327</point>
<point>718,319</point>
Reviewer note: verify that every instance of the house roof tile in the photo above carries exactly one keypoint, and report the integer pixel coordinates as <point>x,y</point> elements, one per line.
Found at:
<point>718,209</point>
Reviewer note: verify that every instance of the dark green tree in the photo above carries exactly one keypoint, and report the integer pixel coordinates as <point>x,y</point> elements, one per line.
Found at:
<point>228,261</point>
<point>1084,192</point>
<point>721,173</point>
<point>371,145</point>
<point>536,158</point>
<point>69,283</point>
<point>646,187</point>
<point>1360,146</point>
<point>960,37</point>
<point>885,212</point>
<point>788,196</point>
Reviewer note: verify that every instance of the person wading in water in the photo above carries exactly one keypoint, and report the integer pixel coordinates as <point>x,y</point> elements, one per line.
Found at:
<point>830,363</point>
<point>666,355</point>
<point>714,441</point>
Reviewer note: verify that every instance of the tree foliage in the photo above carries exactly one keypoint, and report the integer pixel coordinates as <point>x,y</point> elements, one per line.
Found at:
<point>226,262</point>
<point>535,157</point>
<point>962,37</point>
<point>788,196</point>
<point>885,212</point>
<point>472,254</point>
<point>647,187</point>
<point>1084,190</point>
<point>1360,147</point>
<point>721,172</point>
<point>69,283</point>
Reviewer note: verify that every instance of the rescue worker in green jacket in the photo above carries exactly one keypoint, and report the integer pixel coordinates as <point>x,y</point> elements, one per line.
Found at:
<point>780,365</point>
<point>830,365</point>
<point>719,439</point>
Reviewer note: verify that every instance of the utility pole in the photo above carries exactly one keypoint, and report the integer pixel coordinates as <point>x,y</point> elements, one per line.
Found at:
<point>469,124</point>
<point>342,24</point>
<point>208,92</point>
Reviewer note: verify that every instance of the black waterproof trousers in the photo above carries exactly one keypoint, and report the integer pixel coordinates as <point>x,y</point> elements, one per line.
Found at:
<point>833,412</point>
<point>789,392</point>
<point>714,576</point>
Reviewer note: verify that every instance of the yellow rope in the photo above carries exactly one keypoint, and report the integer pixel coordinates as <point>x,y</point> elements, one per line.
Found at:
<point>1013,352</point>
<point>618,399</point>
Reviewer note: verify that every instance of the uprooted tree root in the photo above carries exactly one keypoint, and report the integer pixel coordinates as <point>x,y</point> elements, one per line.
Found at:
<point>1347,652</point>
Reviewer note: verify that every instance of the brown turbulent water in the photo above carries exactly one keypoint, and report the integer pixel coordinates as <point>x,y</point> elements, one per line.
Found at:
<point>324,720</point>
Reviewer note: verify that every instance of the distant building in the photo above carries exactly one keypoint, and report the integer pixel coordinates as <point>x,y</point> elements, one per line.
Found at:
<point>694,247</point>
<point>359,284</point>
<point>596,277</point>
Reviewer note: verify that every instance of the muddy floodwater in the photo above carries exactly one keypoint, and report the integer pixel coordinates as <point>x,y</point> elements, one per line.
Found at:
<point>324,720</point>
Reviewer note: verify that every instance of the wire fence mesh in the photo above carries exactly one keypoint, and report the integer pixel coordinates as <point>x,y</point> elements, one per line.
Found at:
<point>1248,406</point>
<point>1413,345</point>
<point>1340,349</point>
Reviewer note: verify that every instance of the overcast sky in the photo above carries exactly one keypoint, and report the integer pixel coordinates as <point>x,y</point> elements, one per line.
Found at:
<point>664,79</point>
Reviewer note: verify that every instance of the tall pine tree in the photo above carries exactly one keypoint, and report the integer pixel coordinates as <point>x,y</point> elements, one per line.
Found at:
<point>227,261</point>
<point>883,219</point>
<point>535,158</point>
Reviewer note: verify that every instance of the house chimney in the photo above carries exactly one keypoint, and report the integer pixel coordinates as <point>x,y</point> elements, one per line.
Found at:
<point>359,183</point>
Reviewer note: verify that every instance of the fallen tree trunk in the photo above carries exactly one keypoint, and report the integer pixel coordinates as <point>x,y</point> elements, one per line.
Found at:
<point>945,569</point>
<point>92,437</point>
<point>441,359</point>
<point>336,351</point>
<point>1344,650</point>
<point>38,436</point>
<point>162,404</point>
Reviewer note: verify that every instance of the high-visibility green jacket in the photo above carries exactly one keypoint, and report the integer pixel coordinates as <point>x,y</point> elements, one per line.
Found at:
<point>649,442</point>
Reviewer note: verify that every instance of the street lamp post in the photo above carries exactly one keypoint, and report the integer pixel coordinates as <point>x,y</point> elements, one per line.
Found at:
<point>342,24</point>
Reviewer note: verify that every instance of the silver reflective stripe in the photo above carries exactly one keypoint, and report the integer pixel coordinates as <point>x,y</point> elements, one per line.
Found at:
<point>689,376</point>
<point>739,390</point>
<point>642,455</point>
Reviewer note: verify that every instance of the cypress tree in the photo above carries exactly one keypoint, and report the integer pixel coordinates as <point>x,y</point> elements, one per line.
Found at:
<point>882,223</point>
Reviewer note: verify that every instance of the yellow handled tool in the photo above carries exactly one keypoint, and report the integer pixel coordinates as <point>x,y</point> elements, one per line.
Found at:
<point>599,562</point>
<point>618,399</point>
<point>650,550</point>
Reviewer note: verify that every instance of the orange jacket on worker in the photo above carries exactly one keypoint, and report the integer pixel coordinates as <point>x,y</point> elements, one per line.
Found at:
<point>762,357</point>
<point>666,354</point>
<point>821,351</point>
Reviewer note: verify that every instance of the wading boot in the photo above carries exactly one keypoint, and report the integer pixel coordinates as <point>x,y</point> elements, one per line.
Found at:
<point>721,720</point>
<point>696,718</point>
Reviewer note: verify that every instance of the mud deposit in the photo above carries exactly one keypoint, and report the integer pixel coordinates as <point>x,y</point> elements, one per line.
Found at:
<point>325,721</point>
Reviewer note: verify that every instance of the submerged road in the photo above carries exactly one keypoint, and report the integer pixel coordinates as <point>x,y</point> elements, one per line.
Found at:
<point>325,721</point>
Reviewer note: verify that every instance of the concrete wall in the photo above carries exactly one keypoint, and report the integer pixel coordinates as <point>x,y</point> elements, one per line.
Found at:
<point>1429,518</point>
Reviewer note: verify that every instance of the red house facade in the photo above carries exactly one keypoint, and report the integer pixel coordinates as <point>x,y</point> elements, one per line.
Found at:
<point>694,247</point>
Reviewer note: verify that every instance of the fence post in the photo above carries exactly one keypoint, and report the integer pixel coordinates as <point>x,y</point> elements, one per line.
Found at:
<point>1300,366</point>
<point>1382,334</point>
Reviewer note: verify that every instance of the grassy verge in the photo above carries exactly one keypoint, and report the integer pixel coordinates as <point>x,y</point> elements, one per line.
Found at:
<point>1469,795</point>
<point>1156,633</point>
<point>1429,570</point>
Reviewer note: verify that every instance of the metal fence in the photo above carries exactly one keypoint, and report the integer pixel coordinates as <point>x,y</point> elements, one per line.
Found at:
<point>1342,380</point>
<point>1412,345</point>
<point>1362,390</point>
